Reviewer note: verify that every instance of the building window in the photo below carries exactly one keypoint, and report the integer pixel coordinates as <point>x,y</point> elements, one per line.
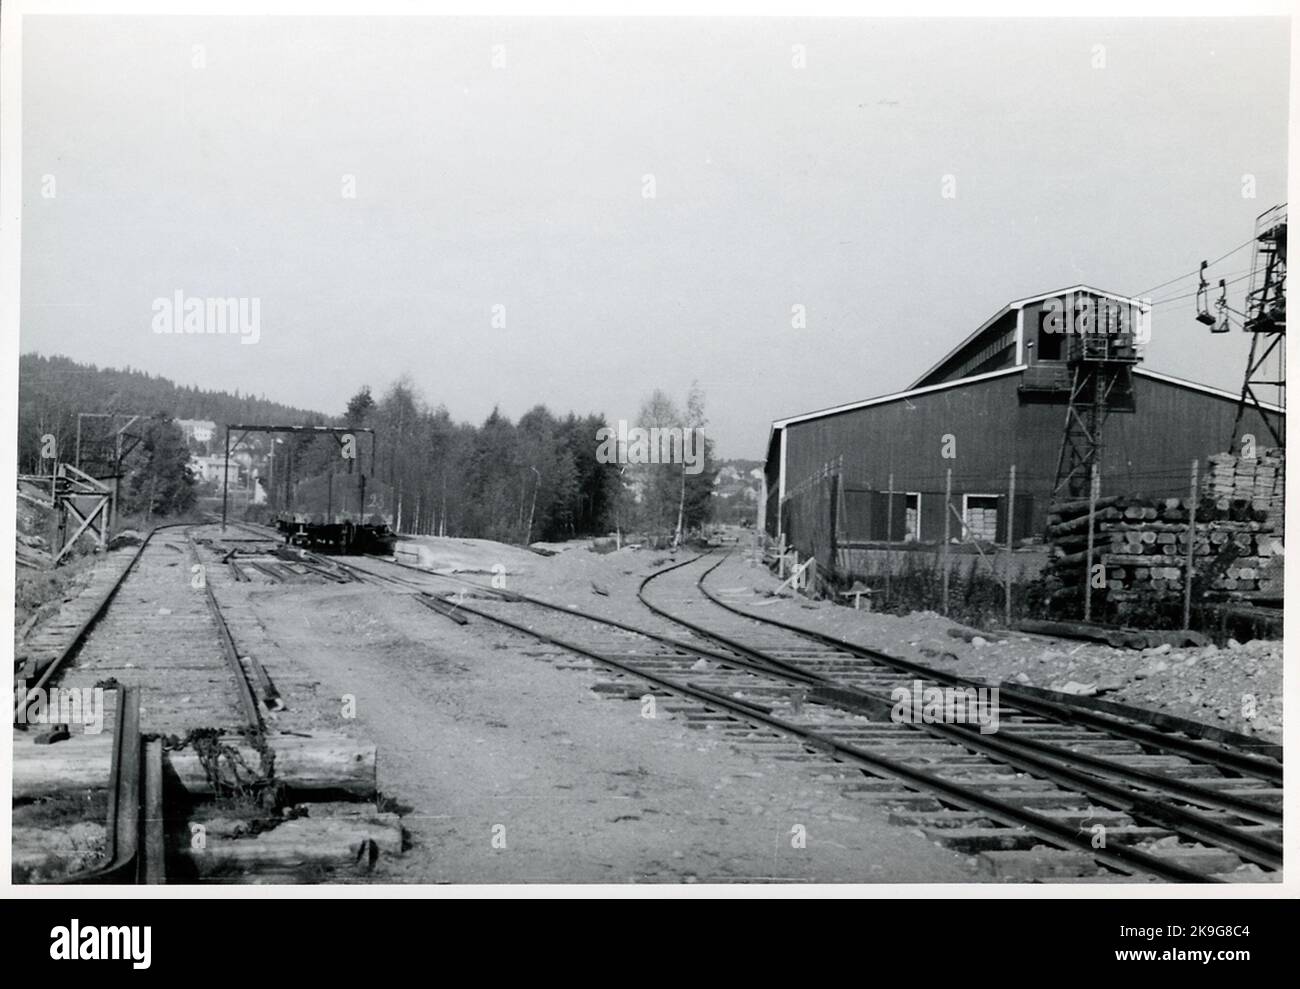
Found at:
<point>1049,345</point>
<point>979,514</point>
<point>896,516</point>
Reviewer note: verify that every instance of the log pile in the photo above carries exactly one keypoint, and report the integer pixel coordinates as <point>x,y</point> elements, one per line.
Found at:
<point>1151,558</point>
<point>1142,545</point>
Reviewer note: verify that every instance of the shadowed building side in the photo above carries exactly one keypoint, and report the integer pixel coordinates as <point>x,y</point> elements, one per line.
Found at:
<point>983,408</point>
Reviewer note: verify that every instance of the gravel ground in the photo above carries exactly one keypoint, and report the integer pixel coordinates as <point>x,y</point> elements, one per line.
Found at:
<point>1238,687</point>
<point>1218,686</point>
<point>478,741</point>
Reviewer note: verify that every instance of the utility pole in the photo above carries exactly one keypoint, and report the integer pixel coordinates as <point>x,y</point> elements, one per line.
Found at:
<point>947,516</point>
<point>533,509</point>
<point>225,483</point>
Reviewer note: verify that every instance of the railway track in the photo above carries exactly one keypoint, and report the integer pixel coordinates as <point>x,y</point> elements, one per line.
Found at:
<point>259,555</point>
<point>1180,798</point>
<point>158,646</point>
<point>1056,793</point>
<point>168,641</point>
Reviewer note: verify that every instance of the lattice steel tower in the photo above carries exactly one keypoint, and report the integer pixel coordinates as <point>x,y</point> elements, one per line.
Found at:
<point>1265,320</point>
<point>1099,355</point>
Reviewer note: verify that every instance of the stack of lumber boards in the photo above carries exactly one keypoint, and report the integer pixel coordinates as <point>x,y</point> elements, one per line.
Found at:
<point>1258,480</point>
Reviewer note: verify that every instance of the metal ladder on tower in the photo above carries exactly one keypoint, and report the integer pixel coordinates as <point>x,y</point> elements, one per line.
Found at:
<point>1100,361</point>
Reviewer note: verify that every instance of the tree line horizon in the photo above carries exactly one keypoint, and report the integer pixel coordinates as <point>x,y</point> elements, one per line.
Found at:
<point>542,478</point>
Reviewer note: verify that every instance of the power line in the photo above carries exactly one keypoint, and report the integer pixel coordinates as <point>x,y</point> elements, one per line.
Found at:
<point>1197,271</point>
<point>1189,295</point>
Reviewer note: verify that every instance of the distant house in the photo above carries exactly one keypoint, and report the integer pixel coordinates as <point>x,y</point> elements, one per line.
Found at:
<point>197,430</point>
<point>726,474</point>
<point>210,468</point>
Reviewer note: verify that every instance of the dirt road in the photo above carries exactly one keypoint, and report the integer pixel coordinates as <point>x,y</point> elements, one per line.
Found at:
<point>512,770</point>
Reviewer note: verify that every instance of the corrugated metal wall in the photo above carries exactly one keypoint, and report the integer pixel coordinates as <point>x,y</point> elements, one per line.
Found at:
<point>1148,451</point>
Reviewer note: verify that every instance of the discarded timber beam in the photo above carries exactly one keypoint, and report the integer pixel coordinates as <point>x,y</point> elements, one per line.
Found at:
<point>350,843</point>
<point>387,825</point>
<point>307,764</point>
<point>317,763</point>
<point>1118,638</point>
<point>82,762</point>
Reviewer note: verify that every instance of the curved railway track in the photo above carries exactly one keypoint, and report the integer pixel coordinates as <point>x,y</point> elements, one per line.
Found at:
<point>1186,798</point>
<point>1063,791</point>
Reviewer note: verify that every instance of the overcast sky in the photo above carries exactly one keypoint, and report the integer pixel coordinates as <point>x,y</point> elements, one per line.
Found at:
<point>523,186</point>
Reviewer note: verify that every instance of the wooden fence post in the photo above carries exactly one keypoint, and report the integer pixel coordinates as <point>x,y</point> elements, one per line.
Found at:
<point>833,556</point>
<point>889,535</point>
<point>1191,550</point>
<point>1093,490</point>
<point>947,510</point>
<point>1011,521</point>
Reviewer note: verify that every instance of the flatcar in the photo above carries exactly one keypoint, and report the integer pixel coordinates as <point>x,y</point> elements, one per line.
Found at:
<point>337,535</point>
<point>324,516</point>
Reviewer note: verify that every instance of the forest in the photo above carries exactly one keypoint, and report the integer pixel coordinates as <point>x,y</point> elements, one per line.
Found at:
<point>536,479</point>
<point>541,478</point>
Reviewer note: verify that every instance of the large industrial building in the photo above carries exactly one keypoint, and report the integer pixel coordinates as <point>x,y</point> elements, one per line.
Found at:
<point>1001,398</point>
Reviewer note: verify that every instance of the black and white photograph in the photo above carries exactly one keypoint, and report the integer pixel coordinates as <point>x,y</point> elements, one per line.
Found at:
<point>571,450</point>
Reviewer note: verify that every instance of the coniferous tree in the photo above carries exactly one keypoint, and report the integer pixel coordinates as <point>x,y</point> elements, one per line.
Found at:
<point>158,480</point>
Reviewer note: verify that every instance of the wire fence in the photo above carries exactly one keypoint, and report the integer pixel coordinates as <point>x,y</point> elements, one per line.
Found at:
<point>981,548</point>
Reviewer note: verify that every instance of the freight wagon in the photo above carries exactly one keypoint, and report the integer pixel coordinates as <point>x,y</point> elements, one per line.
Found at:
<point>325,516</point>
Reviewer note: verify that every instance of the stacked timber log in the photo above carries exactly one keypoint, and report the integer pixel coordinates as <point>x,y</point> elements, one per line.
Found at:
<point>1067,544</point>
<point>1141,545</point>
<point>320,763</point>
<point>291,844</point>
<point>1259,480</point>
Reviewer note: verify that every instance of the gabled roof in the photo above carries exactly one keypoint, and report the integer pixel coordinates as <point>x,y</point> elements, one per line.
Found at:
<point>917,389</point>
<point>1168,379</point>
<point>894,397</point>
<point>1019,304</point>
